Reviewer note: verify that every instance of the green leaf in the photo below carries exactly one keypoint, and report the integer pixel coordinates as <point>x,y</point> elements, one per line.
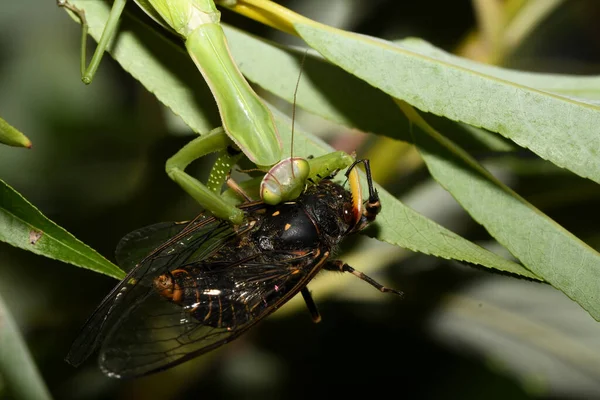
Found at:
<point>17,367</point>
<point>546,248</point>
<point>402,226</point>
<point>324,89</point>
<point>12,136</point>
<point>399,225</point>
<point>24,226</point>
<point>560,129</point>
<point>583,87</point>
<point>161,65</point>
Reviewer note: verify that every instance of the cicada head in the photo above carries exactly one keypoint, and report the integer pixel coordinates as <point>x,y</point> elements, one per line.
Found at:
<point>339,212</point>
<point>332,209</point>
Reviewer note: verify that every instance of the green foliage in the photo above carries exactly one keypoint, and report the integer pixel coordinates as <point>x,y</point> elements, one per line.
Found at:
<point>541,244</point>
<point>517,105</point>
<point>25,381</point>
<point>561,129</point>
<point>11,136</point>
<point>24,226</point>
<point>401,226</point>
<point>351,80</point>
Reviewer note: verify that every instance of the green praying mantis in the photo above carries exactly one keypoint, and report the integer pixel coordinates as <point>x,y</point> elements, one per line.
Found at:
<point>248,128</point>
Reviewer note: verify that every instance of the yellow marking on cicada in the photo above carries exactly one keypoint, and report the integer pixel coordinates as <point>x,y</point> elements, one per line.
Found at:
<point>276,213</point>
<point>357,199</point>
<point>287,226</point>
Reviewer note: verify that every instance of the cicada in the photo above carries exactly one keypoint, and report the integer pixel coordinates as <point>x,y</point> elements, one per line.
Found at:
<point>211,281</point>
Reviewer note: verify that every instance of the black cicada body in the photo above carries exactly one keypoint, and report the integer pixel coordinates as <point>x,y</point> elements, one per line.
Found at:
<point>209,281</point>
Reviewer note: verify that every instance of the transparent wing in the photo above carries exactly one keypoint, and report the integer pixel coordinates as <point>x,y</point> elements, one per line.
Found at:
<point>136,245</point>
<point>195,240</point>
<point>229,297</point>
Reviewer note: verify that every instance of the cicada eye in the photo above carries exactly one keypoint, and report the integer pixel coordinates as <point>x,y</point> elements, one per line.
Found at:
<point>349,214</point>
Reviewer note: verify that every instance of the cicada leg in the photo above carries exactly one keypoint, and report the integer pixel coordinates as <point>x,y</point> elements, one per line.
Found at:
<point>337,265</point>
<point>311,305</point>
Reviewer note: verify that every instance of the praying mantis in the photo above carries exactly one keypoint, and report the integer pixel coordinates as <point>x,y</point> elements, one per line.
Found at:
<point>248,128</point>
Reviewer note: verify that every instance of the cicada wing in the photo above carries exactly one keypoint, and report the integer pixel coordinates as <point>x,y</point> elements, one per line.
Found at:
<point>154,334</point>
<point>192,243</point>
<point>136,245</point>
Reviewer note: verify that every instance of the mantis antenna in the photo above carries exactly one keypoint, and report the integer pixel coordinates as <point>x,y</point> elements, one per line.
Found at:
<point>286,179</point>
<point>294,104</point>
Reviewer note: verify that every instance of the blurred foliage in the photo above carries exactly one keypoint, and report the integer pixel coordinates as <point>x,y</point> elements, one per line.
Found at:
<point>97,169</point>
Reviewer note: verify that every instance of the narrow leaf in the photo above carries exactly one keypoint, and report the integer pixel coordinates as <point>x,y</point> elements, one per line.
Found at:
<point>17,367</point>
<point>557,128</point>
<point>160,63</point>
<point>24,226</point>
<point>546,248</point>
<point>324,90</point>
<point>401,225</point>
<point>11,136</point>
<point>582,87</point>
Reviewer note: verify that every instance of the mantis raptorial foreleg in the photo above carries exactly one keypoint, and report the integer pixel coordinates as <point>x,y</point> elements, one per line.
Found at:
<point>207,195</point>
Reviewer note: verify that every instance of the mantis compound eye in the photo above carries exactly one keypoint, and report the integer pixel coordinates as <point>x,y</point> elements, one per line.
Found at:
<point>284,181</point>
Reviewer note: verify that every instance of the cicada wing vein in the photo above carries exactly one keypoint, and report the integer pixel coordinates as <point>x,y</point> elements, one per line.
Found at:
<point>153,334</point>
<point>191,241</point>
